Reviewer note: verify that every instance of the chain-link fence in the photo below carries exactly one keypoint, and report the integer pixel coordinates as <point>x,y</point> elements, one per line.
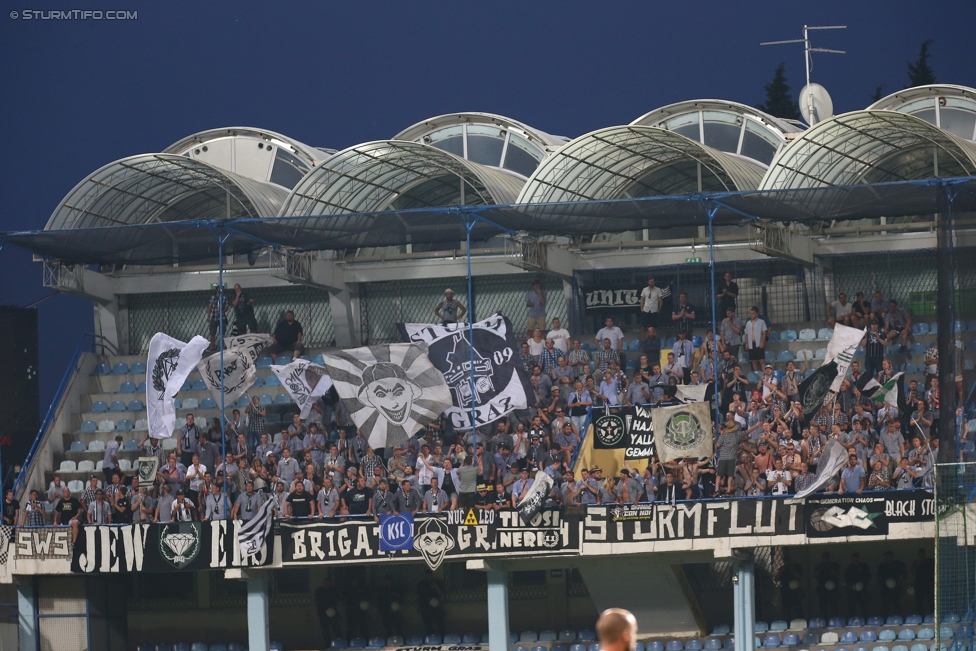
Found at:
<point>413,301</point>
<point>184,314</point>
<point>955,556</point>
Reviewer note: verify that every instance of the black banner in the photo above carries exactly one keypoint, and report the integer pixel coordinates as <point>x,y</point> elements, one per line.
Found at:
<point>173,547</point>
<point>624,428</point>
<point>829,516</point>
<point>454,535</point>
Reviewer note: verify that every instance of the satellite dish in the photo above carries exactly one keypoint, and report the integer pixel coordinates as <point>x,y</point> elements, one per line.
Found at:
<point>815,104</point>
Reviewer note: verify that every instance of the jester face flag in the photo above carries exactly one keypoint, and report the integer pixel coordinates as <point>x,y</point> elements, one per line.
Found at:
<point>390,391</point>
<point>499,385</point>
<point>305,382</point>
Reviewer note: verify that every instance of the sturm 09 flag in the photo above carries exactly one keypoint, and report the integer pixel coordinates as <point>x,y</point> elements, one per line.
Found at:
<point>390,390</point>
<point>305,382</point>
<point>683,431</point>
<point>169,364</point>
<point>500,384</point>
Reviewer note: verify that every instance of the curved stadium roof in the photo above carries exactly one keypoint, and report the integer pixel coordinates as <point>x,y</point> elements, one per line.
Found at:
<point>162,188</point>
<point>727,126</point>
<point>869,147</point>
<point>396,175</point>
<point>951,108</point>
<point>486,139</point>
<point>636,161</point>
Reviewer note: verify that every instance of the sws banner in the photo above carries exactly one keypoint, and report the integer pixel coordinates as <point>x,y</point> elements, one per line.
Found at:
<point>829,516</point>
<point>172,547</point>
<point>436,538</point>
<point>621,298</point>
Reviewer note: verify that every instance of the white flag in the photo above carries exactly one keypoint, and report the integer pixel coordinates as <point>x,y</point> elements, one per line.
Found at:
<point>254,342</point>
<point>832,459</point>
<point>253,535</point>
<point>841,349</point>
<point>237,372</point>
<point>535,497</point>
<point>170,362</point>
<point>683,431</point>
<point>692,392</point>
<point>305,382</point>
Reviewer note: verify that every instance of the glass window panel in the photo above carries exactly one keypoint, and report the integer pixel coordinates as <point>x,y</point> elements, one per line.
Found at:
<point>287,170</point>
<point>926,114</point>
<point>679,121</point>
<point>958,122</point>
<point>450,140</point>
<point>522,157</point>
<point>722,136</point>
<point>757,148</point>
<point>918,105</point>
<point>485,145</point>
<point>689,131</point>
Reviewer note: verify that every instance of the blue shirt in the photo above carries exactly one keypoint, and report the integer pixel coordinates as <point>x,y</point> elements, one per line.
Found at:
<point>852,477</point>
<point>536,307</point>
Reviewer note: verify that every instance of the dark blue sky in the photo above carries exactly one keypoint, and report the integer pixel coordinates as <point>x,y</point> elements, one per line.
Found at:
<point>80,94</point>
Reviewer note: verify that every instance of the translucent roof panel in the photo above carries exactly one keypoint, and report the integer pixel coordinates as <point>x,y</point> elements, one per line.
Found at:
<point>726,126</point>
<point>951,108</point>
<point>870,147</point>
<point>257,154</point>
<point>163,188</point>
<point>636,161</point>
<point>486,139</point>
<point>392,175</point>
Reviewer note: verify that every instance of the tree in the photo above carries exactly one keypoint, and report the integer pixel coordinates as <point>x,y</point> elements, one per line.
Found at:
<point>877,95</point>
<point>779,102</point>
<point>920,73</point>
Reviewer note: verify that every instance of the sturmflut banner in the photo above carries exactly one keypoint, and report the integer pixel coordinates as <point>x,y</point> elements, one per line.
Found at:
<point>500,384</point>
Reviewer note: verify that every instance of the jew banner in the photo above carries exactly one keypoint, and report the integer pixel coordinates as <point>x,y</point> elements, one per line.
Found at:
<point>305,382</point>
<point>841,349</point>
<point>238,373</point>
<point>170,362</point>
<point>390,390</point>
<point>683,431</point>
<point>500,384</point>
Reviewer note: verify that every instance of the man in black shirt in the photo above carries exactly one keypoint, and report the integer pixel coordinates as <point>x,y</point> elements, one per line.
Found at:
<point>483,500</point>
<point>430,598</point>
<point>407,499</point>
<point>651,346</point>
<point>243,305</point>
<point>287,338</point>
<point>122,507</point>
<point>501,499</point>
<point>728,291</point>
<point>300,503</point>
<point>683,315</point>
<point>68,513</point>
<point>890,576</point>
<point>11,509</point>
<point>358,500</point>
<point>856,578</point>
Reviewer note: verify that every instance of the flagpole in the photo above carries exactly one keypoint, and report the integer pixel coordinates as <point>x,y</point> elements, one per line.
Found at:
<point>711,264</point>
<point>469,222</point>
<point>220,348</point>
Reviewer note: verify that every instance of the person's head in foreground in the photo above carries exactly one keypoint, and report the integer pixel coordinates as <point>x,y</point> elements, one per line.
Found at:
<point>617,630</point>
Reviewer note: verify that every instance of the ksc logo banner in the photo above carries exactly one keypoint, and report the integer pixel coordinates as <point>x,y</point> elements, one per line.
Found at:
<point>396,532</point>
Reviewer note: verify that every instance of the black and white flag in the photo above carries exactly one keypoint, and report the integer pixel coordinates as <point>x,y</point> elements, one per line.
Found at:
<point>253,534</point>
<point>389,390</point>
<point>814,390</point>
<point>499,385</point>
<point>170,362</point>
<point>535,498</point>
<point>841,347</point>
<point>238,373</point>
<point>254,342</point>
<point>305,382</point>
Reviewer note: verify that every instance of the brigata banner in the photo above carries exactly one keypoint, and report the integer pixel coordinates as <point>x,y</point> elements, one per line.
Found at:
<point>172,547</point>
<point>829,516</point>
<point>452,536</point>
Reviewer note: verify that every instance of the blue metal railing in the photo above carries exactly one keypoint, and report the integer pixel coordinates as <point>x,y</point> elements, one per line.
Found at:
<point>87,344</point>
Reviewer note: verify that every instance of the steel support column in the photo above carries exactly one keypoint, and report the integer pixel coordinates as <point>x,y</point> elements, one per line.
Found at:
<point>498,610</point>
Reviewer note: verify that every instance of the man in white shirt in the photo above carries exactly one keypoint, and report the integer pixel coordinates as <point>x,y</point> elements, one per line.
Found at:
<point>650,304</point>
<point>559,335</point>
<point>778,479</point>
<point>614,334</point>
<point>756,335</point>
<point>839,311</point>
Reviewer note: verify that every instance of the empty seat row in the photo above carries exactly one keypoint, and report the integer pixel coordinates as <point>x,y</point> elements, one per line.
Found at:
<point>100,407</point>
<point>89,466</point>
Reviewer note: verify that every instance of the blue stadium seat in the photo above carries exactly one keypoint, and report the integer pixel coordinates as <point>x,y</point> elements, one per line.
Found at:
<point>120,369</point>
<point>117,406</point>
<point>450,638</point>
<point>199,385</point>
<point>817,623</point>
<point>88,426</point>
<point>272,381</point>
<point>894,620</point>
<point>139,368</point>
<point>784,356</point>
<point>960,326</point>
<point>771,641</point>
<point>574,647</point>
<point>774,337</point>
<point>753,377</point>
<point>820,353</point>
<point>77,446</point>
<point>929,619</point>
<point>760,627</point>
<point>243,401</point>
<point>103,369</point>
<point>656,645</point>
<point>721,629</point>
<point>848,637</point>
<point>875,621</point>
<point>182,646</point>
<point>869,636</point>
<point>916,349</point>
<point>835,622</point>
<point>558,647</point>
<point>199,646</point>
<point>208,403</point>
<point>908,634</point>
<point>911,368</point>
<point>887,635</point>
<point>273,419</point>
<point>318,359</point>
<point>914,620</point>
<point>535,648</point>
<point>860,648</point>
<point>136,405</point>
<point>770,356</point>
<point>567,635</point>
<point>187,386</point>
<point>951,618</point>
<point>396,640</point>
<point>879,648</point>
<point>713,644</point>
<point>266,400</point>
<point>807,334</point>
<point>432,639</point>
<point>934,329</point>
<point>859,352</point>
<point>258,381</point>
<point>824,334</point>
<point>177,403</point>
<point>220,646</point>
<point>124,425</point>
<point>275,646</point>
<point>788,335</point>
<point>920,328</point>
<point>855,621</point>
<point>945,632</point>
<point>924,633</point>
<point>282,399</point>
<point>671,341</point>
<point>729,643</point>
<point>674,645</point>
<point>338,644</point>
<point>131,445</point>
<point>263,362</point>
<point>791,639</point>
<point>586,635</point>
<point>778,626</point>
<point>414,640</point>
<point>191,403</point>
<point>127,387</point>
<point>99,407</point>
<point>163,647</point>
<point>915,647</point>
<point>693,645</point>
<point>968,365</point>
<point>283,360</point>
<point>811,639</point>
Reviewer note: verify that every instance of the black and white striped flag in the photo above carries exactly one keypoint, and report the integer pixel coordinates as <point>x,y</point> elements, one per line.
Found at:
<point>252,535</point>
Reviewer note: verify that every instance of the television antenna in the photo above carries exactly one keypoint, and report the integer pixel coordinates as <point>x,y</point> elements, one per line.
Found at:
<point>815,102</point>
